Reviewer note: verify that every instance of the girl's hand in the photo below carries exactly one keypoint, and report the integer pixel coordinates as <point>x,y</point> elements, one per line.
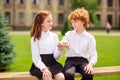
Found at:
<point>46,74</point>
<point>89,68</point>
<point>60,46</point>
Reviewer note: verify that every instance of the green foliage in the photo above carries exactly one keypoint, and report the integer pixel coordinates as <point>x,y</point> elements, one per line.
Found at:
<point>94,19</point>
<point>66,27</point>
<point>6,46</point>
<point>90,5</point>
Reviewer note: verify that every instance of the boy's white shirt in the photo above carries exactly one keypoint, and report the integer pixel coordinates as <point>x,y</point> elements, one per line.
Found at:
<point>81,45</point>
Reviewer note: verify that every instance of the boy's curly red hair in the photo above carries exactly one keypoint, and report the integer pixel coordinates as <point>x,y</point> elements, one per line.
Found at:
<point>80,14</point>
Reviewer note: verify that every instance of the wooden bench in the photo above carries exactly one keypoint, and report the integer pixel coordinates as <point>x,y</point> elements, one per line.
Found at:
<point>100,71</point>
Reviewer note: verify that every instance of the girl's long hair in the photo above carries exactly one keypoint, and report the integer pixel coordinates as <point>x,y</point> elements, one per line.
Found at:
<point>36,27</point>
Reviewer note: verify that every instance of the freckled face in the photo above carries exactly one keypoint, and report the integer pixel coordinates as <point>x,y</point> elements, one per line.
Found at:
<point>47,24</point>
<point>77,24</point>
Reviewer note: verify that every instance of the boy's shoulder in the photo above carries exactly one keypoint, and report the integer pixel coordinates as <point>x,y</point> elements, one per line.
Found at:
<point>69,32</point>
<point>90,36</point>
<point>87,33</point>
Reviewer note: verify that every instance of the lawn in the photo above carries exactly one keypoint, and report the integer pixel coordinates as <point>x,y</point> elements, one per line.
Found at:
<point>108,48</point>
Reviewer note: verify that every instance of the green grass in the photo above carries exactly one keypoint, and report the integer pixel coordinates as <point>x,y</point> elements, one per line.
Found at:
<point>108,48</point>
<point>23,60</point>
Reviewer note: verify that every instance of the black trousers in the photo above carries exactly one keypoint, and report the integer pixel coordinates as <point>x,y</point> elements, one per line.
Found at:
<point>50,62</point>
<point>76,64</point>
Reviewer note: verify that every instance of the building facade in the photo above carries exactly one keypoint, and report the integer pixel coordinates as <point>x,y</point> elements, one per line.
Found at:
<point>109,12</point>
<point>20,13</point>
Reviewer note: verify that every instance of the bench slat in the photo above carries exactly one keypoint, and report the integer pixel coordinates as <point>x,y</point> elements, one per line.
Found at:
<point>20,78</point>
<point>100,71</point>
<point>17,76</point>
<point>107,70</point>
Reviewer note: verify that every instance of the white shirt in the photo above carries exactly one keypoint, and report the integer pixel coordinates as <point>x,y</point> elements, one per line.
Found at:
<point>81,45</point>
<point>46,45</point>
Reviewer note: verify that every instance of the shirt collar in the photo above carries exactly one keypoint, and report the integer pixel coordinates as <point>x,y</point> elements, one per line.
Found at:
<point>45,32</point>
<point>83,33</point>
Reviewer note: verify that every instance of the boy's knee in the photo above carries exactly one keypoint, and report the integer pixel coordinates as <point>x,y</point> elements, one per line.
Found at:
<point>69,76</point>
<point>87,77</point>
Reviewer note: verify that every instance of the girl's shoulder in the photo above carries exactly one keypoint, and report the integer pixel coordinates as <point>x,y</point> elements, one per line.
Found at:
<point>53,34</point>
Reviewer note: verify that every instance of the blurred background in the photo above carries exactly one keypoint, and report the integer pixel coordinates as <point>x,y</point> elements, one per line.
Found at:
<point>19,14</point>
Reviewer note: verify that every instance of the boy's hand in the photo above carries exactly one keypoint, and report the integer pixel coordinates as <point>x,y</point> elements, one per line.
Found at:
<point>62,45</point>
<point>89,68</point>
<point>66,44</point>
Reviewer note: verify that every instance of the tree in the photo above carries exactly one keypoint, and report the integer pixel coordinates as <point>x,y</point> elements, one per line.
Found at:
<point>6,46</point>
<point>66,27</point>
<point>90,5</point>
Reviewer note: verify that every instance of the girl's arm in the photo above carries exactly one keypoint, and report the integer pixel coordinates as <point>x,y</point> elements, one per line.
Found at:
<point>36,55</point>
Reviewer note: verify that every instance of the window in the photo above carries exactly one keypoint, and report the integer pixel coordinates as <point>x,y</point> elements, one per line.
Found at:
<point>48,2</point>
<point>35,1</point>
<point>110,3</point>
<point>98,17</point>
<point>99,1</point>
<point>109,19</point>
<point>21,1</point>
<point>33,15</point>
<point>21,17</point>
<point>7,1</point>
<point>7,16</point>
<point>60,18</point>
<point>119,21</point>
<point>61,2</point>
<point>119,3</point>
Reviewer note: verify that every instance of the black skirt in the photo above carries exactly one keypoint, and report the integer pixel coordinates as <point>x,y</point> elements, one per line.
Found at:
<point>50,62</point>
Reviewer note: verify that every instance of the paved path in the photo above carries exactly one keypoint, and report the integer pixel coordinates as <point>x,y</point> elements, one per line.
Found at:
<point>57,32</point>
<point>106,34</point>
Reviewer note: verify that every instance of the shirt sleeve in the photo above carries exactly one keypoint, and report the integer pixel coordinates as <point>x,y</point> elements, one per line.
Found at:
<point>57,53</point>
<point>92,50</point>
<point>36,55</point>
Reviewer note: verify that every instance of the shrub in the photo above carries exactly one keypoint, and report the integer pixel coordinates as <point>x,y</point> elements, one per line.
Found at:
<point>6,46</point>
<point>66,27</point>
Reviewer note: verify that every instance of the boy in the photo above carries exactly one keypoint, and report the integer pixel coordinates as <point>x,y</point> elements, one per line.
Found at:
<point>81,47</point>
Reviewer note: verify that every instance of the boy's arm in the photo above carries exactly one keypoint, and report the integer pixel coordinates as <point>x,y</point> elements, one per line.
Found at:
<point>92,51</point>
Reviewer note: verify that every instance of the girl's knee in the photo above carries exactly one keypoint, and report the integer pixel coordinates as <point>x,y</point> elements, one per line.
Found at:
<point>59,76</point>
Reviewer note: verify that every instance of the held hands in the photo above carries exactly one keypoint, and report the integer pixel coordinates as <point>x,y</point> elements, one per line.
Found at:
<point>62,45</point>
<point>47,74</point>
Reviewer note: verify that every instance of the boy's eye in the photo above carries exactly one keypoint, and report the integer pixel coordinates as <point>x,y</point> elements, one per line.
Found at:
<point>50,21</point>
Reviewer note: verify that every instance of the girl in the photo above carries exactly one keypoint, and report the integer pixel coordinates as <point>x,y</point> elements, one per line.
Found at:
<point>44,49</point>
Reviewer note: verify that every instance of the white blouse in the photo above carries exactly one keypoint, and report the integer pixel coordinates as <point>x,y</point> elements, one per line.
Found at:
<point>46,45</point>
<point>81,45</point>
